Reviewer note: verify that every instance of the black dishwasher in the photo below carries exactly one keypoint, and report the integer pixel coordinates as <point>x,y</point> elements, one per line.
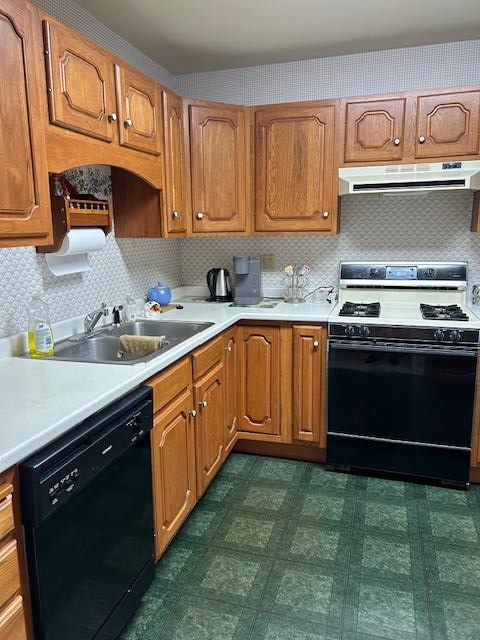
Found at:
<point>88,516</point>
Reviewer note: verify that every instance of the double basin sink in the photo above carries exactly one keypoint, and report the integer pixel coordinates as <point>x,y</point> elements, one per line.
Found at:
<point>104,345</point>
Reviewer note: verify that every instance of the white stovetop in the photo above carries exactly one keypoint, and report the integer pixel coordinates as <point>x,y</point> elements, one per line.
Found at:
<point>402,308</point>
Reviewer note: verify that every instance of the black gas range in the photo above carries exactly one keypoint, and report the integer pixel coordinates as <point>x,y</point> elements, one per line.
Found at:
<point>402,359</point>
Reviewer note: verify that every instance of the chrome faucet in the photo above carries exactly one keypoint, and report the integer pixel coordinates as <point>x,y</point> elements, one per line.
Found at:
<point>93,317</point>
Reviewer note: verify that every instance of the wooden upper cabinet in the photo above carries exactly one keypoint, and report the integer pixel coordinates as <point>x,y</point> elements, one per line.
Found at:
<point>80,83</point>
<point>295,168</point>
<point>139,111</point>
<point>309,353</point>
<point>175,165</point>
<point>448,125</point>
<point>218,157</point>
<point>259,381</point>
<point>374,130</point>
<point>24,193</point>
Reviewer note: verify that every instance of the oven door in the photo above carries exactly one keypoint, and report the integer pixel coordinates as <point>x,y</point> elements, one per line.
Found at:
<point>401,407</point>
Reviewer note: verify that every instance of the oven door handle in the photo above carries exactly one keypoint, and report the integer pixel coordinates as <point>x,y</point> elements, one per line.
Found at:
<point>402,347</point>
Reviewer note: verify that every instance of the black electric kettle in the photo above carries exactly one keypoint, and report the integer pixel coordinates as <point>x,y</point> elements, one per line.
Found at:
<point>220,285</point>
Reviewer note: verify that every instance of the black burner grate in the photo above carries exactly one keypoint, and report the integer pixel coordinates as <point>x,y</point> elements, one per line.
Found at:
<point>442,312</point>
<point>361,309</point>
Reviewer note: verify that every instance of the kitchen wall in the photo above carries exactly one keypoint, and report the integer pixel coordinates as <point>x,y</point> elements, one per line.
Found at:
<point>390,227</point>
<point>441,65</point>
<point>399,227</point>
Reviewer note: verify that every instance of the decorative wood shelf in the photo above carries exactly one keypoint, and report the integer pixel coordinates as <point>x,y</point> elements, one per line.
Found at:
<point>71,213</point>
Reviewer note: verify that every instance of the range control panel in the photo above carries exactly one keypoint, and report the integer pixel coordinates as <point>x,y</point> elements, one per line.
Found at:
<point>456,271</point>
<point>375,332</point>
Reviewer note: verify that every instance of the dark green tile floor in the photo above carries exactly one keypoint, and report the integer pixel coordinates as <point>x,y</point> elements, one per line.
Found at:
<point>285,550</point>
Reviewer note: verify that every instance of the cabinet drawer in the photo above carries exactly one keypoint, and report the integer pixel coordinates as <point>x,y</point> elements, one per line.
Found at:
<point>9,574</point>
<point>206,357</point>
<point>6,516</point>
<point>170,383</point>
<point>12,621</point>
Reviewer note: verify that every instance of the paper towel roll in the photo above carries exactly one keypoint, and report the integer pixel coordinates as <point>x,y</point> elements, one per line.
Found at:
<point>82,241</point>
<point>72,255</point>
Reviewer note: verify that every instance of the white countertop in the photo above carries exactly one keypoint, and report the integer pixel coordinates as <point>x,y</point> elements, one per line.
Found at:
<point>42,399</point>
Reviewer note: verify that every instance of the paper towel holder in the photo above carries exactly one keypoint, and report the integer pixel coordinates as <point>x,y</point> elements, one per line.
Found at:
<point>74,213</point>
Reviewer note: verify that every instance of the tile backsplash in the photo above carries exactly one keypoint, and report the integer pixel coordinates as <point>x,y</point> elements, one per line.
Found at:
<point>123,267</point>
<point>433,226</point>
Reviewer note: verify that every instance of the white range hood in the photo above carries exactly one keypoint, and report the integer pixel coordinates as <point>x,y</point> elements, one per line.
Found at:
<point>404,178</point>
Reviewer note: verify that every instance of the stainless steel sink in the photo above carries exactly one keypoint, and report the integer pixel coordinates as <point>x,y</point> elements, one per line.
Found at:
<point>171,330</point>
<point>104,346</point>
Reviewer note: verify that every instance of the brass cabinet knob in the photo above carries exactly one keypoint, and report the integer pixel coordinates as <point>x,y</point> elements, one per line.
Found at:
<point>316,344</point>
<point>193,413</point>
<point>199,215</point>
<point>128,122</point>
<point>175,214</point>
<point>228,349</point>
<point>396,142</point>
<point>203,404</point>
<point>421,139</point>
<point>112,117</point>
<point>325,214</point>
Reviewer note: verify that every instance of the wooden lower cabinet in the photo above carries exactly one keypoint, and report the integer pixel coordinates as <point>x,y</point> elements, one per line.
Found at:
<point>209,399</point>
<point>173,464</point>
<point>309,367</point>
<point>12,566</point>
<point>231,381</point>
<point>259,382</point>
<point>12,621</point>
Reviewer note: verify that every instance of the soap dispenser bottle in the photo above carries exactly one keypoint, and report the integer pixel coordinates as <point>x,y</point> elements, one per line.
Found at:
<point>40,336</point>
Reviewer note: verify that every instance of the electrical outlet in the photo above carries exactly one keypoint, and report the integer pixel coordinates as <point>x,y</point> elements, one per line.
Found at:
<point>269,262</point>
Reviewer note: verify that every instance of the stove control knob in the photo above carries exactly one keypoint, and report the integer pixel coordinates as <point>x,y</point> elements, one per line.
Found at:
<point>439,335</point>
<point>373,272</point>
<point>365,332</point>
<point>350,330</point>
<point>455,336</point>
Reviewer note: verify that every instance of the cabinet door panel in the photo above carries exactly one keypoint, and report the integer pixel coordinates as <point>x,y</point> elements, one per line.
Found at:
<point>217,147</point>
<point>231,395</point>
<point>12,621</point>
<point>375,130</point>
<point>80,83</point>
<point>176,213</point>
<point>449,125</point>
<point>294,173</point>
<point>209,425</point>
<point>259,385</point>
<point>138,111</point>
<point>308,371</point>
<point>24,200</point>
<point>173,462</point>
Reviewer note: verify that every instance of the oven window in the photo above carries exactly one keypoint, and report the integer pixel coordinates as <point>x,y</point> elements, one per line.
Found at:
<point>417,397</point>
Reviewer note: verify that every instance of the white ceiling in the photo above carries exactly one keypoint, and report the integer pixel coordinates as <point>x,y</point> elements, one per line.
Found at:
<point>199,35</point>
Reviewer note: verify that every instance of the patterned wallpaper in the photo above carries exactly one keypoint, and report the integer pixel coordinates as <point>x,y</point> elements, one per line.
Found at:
<point>390,227</point>
<point>441,65</point>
